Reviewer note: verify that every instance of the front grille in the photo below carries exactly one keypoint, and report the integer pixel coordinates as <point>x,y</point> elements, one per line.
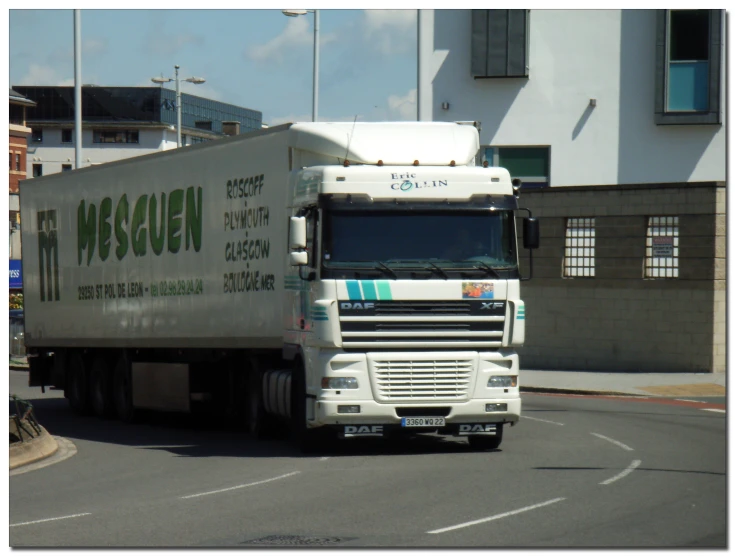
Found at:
<point>422,380</point>
<point>415,308</point>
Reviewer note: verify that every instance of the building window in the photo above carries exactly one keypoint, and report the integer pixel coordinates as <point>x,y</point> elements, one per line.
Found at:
<point>195,140</point>
<point>37,170</point>
<point>10,162</point>
<point>37,136</point>
<point>115,136</point>
<point>662,247</point>
<point>203,125</point>
<point>579,248</point>
<point>529,164</point>
<point>499,43</point>
<point>66,135</point>
<point>688,72</point>
<point>66,167</point>
<point>17,162</point>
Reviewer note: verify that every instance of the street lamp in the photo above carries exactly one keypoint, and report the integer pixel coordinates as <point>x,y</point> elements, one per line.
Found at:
<point>315,95</point>
<point>162,80</point>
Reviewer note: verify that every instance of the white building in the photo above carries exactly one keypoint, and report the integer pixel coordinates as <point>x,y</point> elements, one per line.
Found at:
<point>615,120</point>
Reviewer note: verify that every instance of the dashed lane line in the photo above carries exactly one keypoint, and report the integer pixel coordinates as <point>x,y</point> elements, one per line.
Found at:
<point>240,486</point>
<point>498,516</point>
<point>622,474</point>
<point>542,420</point>
<point>715,410</point>
<point>623,446</point>
<point>49,519</point>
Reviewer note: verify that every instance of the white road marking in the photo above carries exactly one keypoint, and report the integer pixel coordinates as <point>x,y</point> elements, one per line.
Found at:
<point>242,486</point>
<point>622,474</point>
<point>542,420</point>
<point>694,401</point>
<point>325,458</point>
<point>499,516</point>
<point>49,519</point>
<point>715,410</point>
<point>623,446</point>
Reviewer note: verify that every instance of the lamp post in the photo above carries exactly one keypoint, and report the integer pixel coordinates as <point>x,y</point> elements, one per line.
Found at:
<point>315,93</point>
<point>162,80</point>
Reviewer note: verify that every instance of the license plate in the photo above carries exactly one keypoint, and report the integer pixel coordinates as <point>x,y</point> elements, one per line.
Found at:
<point>422,422</point>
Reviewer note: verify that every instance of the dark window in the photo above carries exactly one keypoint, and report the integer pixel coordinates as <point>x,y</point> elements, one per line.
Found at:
<point>499,43</point>
<point>17,162</point>
<point>37,170</point>
<point>37,136</point>
<point>115,136</point>
<point>203,125</point>
<point>66,135</point>
<point>529,164</point>
<point>688,72</point>
<point>10,162</point>
<point>66,167</point>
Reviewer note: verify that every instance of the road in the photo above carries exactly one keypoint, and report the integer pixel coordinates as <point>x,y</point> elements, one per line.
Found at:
<point>575,472</point>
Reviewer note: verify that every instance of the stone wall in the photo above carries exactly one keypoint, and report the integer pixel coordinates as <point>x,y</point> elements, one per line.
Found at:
<point>619,320</point>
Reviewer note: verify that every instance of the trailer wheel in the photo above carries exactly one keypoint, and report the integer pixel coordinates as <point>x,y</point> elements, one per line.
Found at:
<point>76,390</point>
<point>100,386</point>
<point>123,389</point>
<point>481,442</point>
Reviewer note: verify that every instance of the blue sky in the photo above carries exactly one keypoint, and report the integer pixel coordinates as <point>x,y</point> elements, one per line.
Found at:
<point>259,59</point>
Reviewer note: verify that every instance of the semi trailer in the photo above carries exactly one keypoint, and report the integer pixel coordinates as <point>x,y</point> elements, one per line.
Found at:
<point>349,279</point>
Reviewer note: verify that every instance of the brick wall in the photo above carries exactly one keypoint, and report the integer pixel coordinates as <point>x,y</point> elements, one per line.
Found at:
<point>618,320</point>
<point>17,145</point>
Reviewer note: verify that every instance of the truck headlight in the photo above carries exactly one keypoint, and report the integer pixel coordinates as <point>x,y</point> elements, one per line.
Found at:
<point>339,383</point>
<point>502,381</point>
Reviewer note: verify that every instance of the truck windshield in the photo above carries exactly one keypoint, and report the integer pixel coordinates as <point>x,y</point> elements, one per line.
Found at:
<point>447,239</point>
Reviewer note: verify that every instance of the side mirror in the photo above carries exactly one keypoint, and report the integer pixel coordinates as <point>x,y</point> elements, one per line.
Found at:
<point>298,258</point>
<point>297,234</point>
<point>531,238</point>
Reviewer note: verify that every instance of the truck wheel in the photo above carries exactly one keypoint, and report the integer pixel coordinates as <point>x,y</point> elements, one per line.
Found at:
<point>259,423</point>
<point>308,440</point>
<point>100,386</point>
<point>77,386</point>
<point>122,386</point>
<point>481,442</point>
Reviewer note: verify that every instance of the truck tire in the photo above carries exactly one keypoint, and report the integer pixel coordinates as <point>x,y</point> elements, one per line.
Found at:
<point>77,385</point>
<point>100,389</point>
<point>480,442</point>
<point>259,424</point>
<point>122,389</point>
<point>309,441</point>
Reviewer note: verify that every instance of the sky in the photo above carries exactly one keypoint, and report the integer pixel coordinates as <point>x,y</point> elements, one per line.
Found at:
<point>258,59</point>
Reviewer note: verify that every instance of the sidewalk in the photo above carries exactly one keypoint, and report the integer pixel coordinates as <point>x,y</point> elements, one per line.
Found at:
<point>621,383</point>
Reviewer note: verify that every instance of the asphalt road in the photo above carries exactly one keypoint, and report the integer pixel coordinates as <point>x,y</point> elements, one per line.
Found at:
<point>575,472</point>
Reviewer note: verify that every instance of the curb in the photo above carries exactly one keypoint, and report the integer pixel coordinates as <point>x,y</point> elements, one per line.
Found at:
<point>550,390</point>
<point>41,447</point>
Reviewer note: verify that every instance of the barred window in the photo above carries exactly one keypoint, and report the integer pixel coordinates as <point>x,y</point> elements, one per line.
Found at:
<point>662,247</point>
<point>579,248</point>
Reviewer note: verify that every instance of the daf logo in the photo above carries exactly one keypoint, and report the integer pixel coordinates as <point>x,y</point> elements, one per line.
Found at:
<point>478,428</point>
<point>357,305</point>
<point>364,430</point>
<point>490,305</point>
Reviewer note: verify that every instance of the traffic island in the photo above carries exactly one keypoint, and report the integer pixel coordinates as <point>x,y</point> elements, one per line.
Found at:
<point>29,441</point>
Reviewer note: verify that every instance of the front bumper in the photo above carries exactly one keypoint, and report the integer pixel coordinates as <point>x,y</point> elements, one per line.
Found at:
<point>371,412</point>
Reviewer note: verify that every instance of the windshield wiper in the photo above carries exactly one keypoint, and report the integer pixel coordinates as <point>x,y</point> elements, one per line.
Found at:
<point>484,265</point>
<point>385,267</point>
<point>419,263</point>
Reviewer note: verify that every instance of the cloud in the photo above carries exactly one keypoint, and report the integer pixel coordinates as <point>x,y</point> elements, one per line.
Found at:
<point>390,31</point>
<point>92,47</point>
<point>402,108</point>
<point>44,75</point>
<point>161,43</point>
<point>297,35</point>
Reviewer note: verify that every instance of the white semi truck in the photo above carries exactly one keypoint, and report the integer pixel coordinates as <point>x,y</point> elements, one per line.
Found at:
<point>349,279</point>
